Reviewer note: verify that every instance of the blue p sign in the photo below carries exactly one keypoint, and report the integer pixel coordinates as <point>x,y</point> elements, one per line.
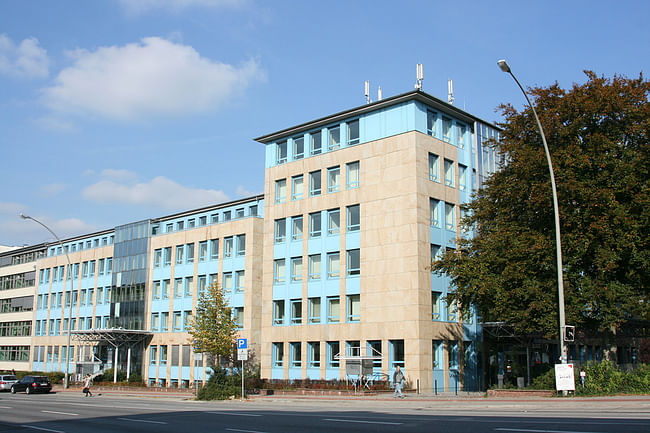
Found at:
<point>242,343</point>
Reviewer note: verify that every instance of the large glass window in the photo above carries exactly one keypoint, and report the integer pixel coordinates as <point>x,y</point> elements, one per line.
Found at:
<point>314,310</point>
<point>314,267</point>
<point>315,142</point>
<point>279,271</point>
<point>353,262</point>
<point>354,308</point>
<point>297,187</point>
<point>434,171</point>
<point>453,355</point>
<point>352,175</point>
<point>436,350</point>
<point>280,190</point>
<point>315,183</point>
<point>333,309</point>
<point>296,269</point>
<point>333,265</point>
<point>280,230</point>
<point>314,225</point>
<point>334,138</point>
<point>396,353</point>
<point>333,179</point>
<point>298,147</point>
<point>353,132</point>
<point>333,221</point>
<point>278,312</point>
<point>296,228</point>
<point>281,152</point>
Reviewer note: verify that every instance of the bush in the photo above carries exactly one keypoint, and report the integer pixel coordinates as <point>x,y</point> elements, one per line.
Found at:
<point>56,377</point>
<point>220,386</point>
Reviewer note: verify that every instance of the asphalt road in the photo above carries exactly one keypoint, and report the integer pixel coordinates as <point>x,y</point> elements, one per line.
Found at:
<point>71,413</point>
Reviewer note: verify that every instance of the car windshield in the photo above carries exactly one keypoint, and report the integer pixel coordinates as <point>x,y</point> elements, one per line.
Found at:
<point>9,378</point>
<point>40,379</point>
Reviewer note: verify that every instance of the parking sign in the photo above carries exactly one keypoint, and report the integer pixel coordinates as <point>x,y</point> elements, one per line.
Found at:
<point>242,343</point>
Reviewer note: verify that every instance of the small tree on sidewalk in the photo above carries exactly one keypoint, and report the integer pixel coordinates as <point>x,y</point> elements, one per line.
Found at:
<point>213,329</point>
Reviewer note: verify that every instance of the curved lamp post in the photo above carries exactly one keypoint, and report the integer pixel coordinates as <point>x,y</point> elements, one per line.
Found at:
<point>503,65</point>
<point>66,383</point>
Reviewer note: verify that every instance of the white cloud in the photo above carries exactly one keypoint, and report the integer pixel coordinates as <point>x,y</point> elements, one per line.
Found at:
<point>27,59</point>
<point>243,192</point>
<point>155,77</point>
<point>8,208</point>
<point>160,192</point>
<point>140,6</point>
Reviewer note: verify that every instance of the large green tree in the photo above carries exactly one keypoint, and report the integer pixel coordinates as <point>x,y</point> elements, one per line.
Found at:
<point>597,133</point>
<point>213,329</point>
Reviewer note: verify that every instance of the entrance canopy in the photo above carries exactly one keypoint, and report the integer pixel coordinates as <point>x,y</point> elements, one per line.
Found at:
<point>114,336</point>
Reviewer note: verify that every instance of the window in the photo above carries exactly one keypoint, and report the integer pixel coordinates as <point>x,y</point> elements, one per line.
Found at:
<point>462,177</point>
<point>446,129</point>
<point>240,280</point>
<point>313,354</point>
<point>314,267</point>
<point>202,283</point>
<point>227,281</point>
<point>191,223</point>
<point>278,312</point>
<point>353,218</point>
<point>84,270</point>
<point>314,310</point>
<point>434,172</point>
<point>155,291</point>
<point>353,132</point>
<point>453,355</point>
<point>333,179</point>
<point>315,142</point>
<point>178,287</point>
<point>460,135</point>
<point>396,354</point>
<point>314,225</point>
<point>435,305</point>
<point>164,323</point>
<point>352,175</point>
<point>239,213</point>
<point>187,319</point>
<point>434,216</point>
<point>373,349</point>
<point>296,228</point>
<point>298,147</point>
<point>165,289</point>
<point>177,323</point>
<point>163,353</point>
<point>435,252</point>
<point>353,263</point>
<point>450,217</point>
<point>436,350</point>
<point>278,271</point>
<point>228,247</point>
<point>252,211</point>
<point>100,293</point>
<point>334,138</point>
<point>180,225</point>
<point>214,218</point>
<point>189,249</point>
<point>238,313</point>
<point>452,311</point>
<point>333,265</point>
<point>278,354</point>
<point>431,123</point>
<point>214,249</point>
<point>167,256</point>
<point>296,269</point>
<point>449,173</point>
<point>280,230</point>
<point>314,183</point>
<point>296,356</point>
<point>354,308</point>
<point>280,191</point>
<point>333,309</point>
<point>203,251</point>
<point>203,220</point>
<point>168,228</point>
<point>296,311</point>
<point>226,215</point>
<point>153,355</point>
<point>189,287</point>
<point>333,348</point>
<point>241,245</point>
<point>333,221</point>
<point>281,152</point>
<point>297,187</point>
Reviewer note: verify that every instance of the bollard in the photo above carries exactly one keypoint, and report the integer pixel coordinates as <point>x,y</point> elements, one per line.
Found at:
<point>435,387</point>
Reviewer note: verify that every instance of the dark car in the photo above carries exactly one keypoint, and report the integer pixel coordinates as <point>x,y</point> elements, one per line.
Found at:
<point>31,384</point>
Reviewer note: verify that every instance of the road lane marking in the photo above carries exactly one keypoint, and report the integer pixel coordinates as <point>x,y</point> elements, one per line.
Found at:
<point>5,407</point>
<point>143,420</point>
<point>363,422</point>
<point>42,428</point>
<point>234,413</point>
<point>245,431</point>
<point>60,413</point>
<point>539,431</point>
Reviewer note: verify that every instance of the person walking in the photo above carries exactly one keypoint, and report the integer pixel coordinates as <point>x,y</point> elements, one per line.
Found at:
<point>398,382</point>
<point>87,382</point>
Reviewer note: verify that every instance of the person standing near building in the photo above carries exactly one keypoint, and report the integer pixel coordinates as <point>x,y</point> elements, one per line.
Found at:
<point>87,382</point>
<point>398,382</point>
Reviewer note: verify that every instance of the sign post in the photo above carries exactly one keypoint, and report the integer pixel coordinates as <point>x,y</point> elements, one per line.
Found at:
<point>242,355</point>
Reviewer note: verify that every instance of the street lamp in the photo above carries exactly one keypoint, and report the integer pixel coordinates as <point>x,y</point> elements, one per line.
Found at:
<point>503,65</point>
<point>67,356</point>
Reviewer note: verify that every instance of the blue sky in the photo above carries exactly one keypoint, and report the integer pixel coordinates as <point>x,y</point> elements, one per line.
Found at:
<point>114,111</point>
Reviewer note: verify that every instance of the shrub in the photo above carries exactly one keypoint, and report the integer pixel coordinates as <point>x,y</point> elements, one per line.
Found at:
<point>220,386</point>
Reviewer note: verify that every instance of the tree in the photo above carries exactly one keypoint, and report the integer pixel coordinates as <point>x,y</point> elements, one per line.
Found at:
<point>213,329</point>
<point>598,138</point>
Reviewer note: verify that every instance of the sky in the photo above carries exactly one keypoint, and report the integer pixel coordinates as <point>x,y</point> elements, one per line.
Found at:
<point>114,111</point>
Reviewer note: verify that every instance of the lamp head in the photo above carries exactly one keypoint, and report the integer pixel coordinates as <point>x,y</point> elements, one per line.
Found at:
<point>23,216</point>
<point>503,65</point>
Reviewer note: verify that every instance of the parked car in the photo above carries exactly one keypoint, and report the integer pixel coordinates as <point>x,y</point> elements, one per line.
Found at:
<point>31,384</point>
<point>6,380</point>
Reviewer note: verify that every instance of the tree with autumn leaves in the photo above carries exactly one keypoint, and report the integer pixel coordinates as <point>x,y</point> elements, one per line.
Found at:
<point>597,133</point>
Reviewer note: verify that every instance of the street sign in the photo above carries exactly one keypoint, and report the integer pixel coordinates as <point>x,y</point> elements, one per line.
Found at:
<point>564,380</point>
<point>242,354</point>
<point>242,343</point>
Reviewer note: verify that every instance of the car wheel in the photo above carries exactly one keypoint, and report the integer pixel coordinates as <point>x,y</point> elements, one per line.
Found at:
<point>13,390</point>
<point>28,390</point>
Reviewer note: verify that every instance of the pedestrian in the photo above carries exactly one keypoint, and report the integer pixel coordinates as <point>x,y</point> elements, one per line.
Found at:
<point>398,381</point>
<point>87,383</point>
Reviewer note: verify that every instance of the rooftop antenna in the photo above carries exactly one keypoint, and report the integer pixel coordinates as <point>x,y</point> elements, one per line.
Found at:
<point>420,76</point>
<point>450,94</point>
<point>367,91</point>
<point>379,96</point>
